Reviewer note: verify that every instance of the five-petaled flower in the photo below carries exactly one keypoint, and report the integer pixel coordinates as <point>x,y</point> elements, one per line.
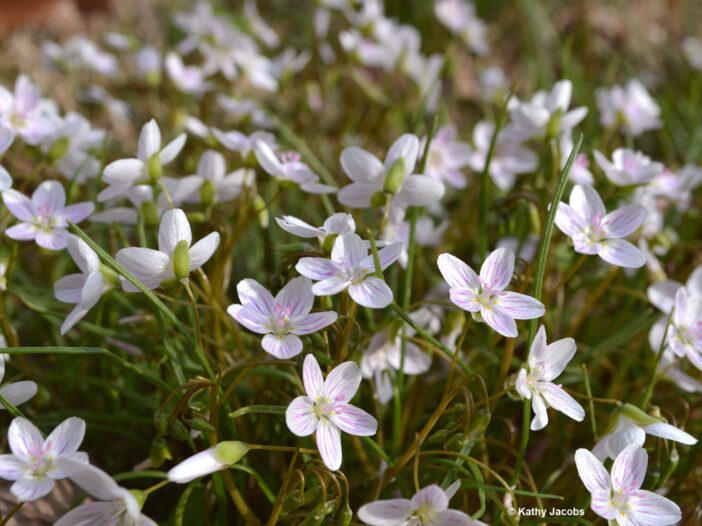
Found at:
<point>32,464</point>
<point>175,259</point>
<point>535,381</point>
<point>44,218</point>
<point>594,231</point>
<point>282,319</point>
<point>325,409</point>
<point>486,294</point>
<point>352,268</point>
<point>618,497</point>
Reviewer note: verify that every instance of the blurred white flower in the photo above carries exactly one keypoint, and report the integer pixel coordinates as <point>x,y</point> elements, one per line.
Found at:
<point>460,18</point>
<point>630,106</point>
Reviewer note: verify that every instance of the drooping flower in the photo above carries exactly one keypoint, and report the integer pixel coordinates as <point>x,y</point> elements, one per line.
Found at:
<point>618,497</point>
<point>16,393</point>
<point>384,355</point>
<point>32,464</point>
<point>148,165</point>
<point>459,17</point>
<point>282,319</point>
<point>629,167</point>
<point>289,167</point>
<point>447,157</point>
<point>26,113</point>
<point>535,381</point>
<point>237,141</point>
<point>684,334</point>
<point>115,505</point>
<point>630,106</point>
<point>430,505</point>
<point>206,462</point>
<point>486,294</point>
<point>213,184</point>
<point>352,268</point>
<point>336,224</point>
<point>546,115</point>
<point>325,409</point>
<point>44,218</point>
<point>391,184</point>
<point>630,425</point>
<point>175,259</point>
<point>510,158</point>
<point>594,231</point>
<point>86,288</point>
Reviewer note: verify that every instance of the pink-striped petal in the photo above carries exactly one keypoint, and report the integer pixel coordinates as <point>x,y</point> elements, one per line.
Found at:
<point>497,269</point>
<point>255,296</point>
<point>386,255</point>
<point>354,421</point>
<point>296,297</point>
<point>372,292</point>
<point>330,286</point>
<point>348,251</point>
<point>430,498</point>
<point>66,437</point>
<point>561,401</point>
<point>25,439</point>
<point>629,469</point>
<point>77,212</point>
<point>282,347</point>
<point>54,239</point>
<point>500,320</point>
<point>540,419</point>
<point>29,489</point>
<point>300,417</point>
<point>521,306</point>
<point>12,467</point>
<point>592,472</point>
<point>569,221</point>
<point>653,509</point>
<point>454,518</point>
<point>19,205</point>
<point>623,221</point>
<point>465,299</point>
<point>250,318</point>
<point>456,272</point>
<point>22,231</point>
<point>621,253</point>
<point>317,268</point>
<point>329,444</point>
<point>342,382</point>
<point>587,203</point>
<point>312,322</point>
<point>312,377</point>
<point>389,512</point>
<point>49,197</point>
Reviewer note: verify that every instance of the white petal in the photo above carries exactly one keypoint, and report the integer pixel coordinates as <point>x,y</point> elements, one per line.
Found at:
<point>348,251</point>
<point>562,401</point>
<point>49,196</point>
<point>68,289</point>
<point>84,256</point>
<point>329,444</point>
<point>25,439</point>
<point>18,393</point>
<point>312,322</point>
<point>569,221</point>
<point>267,159</point>
<point>149,140</point>
<point>254,295</point>
<point>653,509</point>
<point>521,306</point>
<point>669,432</point>
<point>372,292</point>
<point>282,347</point>
<point>66,437</point>
<point>360,165</point>
<point>432,497</point>
<point>19,205</point>
<point>558,354</point>
<point>497,269</point>
<point>358,195</point>
<point>456,272</point>
<point>173,229</point>
<point>587,203</point>
<point>250,318</point>
<point>629,469</point>
<point>300,416</point>
<point>54,239</point>
<point>124,171</point>
<point>623,221</point>
<point>317,268</point>
<point>312,377</point>
<point>662,294</point>
<point>202,251</point>
<point>172,149</point>
<point>342,382</point>
<point>500,320</point>
<point>391,512</point>
<point>29,489</point>
<point>621,253</point>
<point>144,263</point>
<point>297,227</point>
<point>330,286</point>
<point>12,467</point>
<point>540,419</point>
<point>592,472</point>
<point>296,298</point>
<point>92,480</point>
<point>407,147</point>
<point>421,190</point>
<point>354,421</point>
<point>198,465</point>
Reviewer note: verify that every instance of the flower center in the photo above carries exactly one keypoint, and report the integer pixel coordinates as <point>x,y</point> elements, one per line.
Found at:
<point>40,467</point>
<point>280,322</point>
<point>323,408</point>
<point>486,296</point>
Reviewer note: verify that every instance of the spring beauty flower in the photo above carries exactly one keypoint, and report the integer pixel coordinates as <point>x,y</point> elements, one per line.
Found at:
<point>459,17</point>
<point>44,218</point>
<point>486,294</point>
<point>25,112</point>
<point>289,167</point>
<point>86,288</point>
<point>115,505</point>
<point>391,184</point>
<point>325,409</point>
<point>213,185</point>
<point>336,224</point>
<point>16,393</point>
<point>430,505</point>
<point>535,381</point>
<point>208,461</point>
<point>148,165</point>
<point>384,355</point>
<point>594,231</point>
<point>32,464</point>
<point>282,319</point>
<point>630,106</point>
<point>352,268</point>
<point>630,425</point>
<point>235,141</point>
<point>684,334</point>
<point>629,167</point>
<point>618,497</point>
<point>175,259</point>
<point>447,157</point>
<point>187,79</point>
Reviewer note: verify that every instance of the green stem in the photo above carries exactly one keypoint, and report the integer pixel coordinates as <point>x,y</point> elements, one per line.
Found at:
<point>267,409</point>
<point>659,355</point>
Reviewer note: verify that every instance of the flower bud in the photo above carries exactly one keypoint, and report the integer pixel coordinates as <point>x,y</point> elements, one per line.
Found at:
<point>178,430</point>
<point>161,422</point>
<point>200,424</point>
<point>638,416</point>
<point>207,192</point>
<point>181,260</point>
<point>259,205</point>
<point>395,176</point>
<point>159,452</point>
<point>554,124</point>
<point>154,167</point>
<point>230,451</point>
<point>379,199</point>
<point>344,517</point>
<point>149,211</point>
<point>59,148</point>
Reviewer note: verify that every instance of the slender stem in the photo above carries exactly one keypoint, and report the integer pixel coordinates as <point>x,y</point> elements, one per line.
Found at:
<point>654,374</point>
<point>196,313</point>
<point>568,275</point>
<point>454,360</point>
<point>590,402</point>
<point>165,192</point>
<point>290,449</point>
<point>350,319</point>
<point>156,486</point>
<point>11,513</point>
<point>526,413</point>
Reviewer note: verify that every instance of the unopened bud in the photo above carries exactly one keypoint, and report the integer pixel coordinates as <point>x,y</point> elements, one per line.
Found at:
<point>395,176</point>
<point>230,451</point>
<point>181,260</point>
<point>379,199</point>
<point>207,192</point>
<point>554,124</point>
<point>159,452</point>
<point>154,167</point>
<point>149,211</point>
<point>259,205</point>
<point>59,148</point>
<point>200,424</point>
<point>640,417</point>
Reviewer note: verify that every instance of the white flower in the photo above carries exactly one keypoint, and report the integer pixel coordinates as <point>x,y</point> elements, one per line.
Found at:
<point>325,409</point>
<point>16,393</point>
<point>282,319</point>
<point>460,18</point>
<point>631,425</point>
<point>32,464</point>
<point>147,62</point>
<point>26,113</point>
<point>384,355</point>
<point>509,159</point>
<point>115,506</point>
<point>208,461</point>
<point>174,259</point>
<point>44,218</point>
<point>212,183</point>
<point>628,167</point>
<point>188,79</point>
<point>236,141</point>
<point>684,334</point>
<point>86,288</point>
<point>618,497</point>
<point>289,168</point>
<point>447,157</point>
<point>352,268</point>
<point>631,106</point>
<point>535,382</point>
<point>391,184</point>
<point>146,167</point>
<point>80,52</point>
<point>336,224</point>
